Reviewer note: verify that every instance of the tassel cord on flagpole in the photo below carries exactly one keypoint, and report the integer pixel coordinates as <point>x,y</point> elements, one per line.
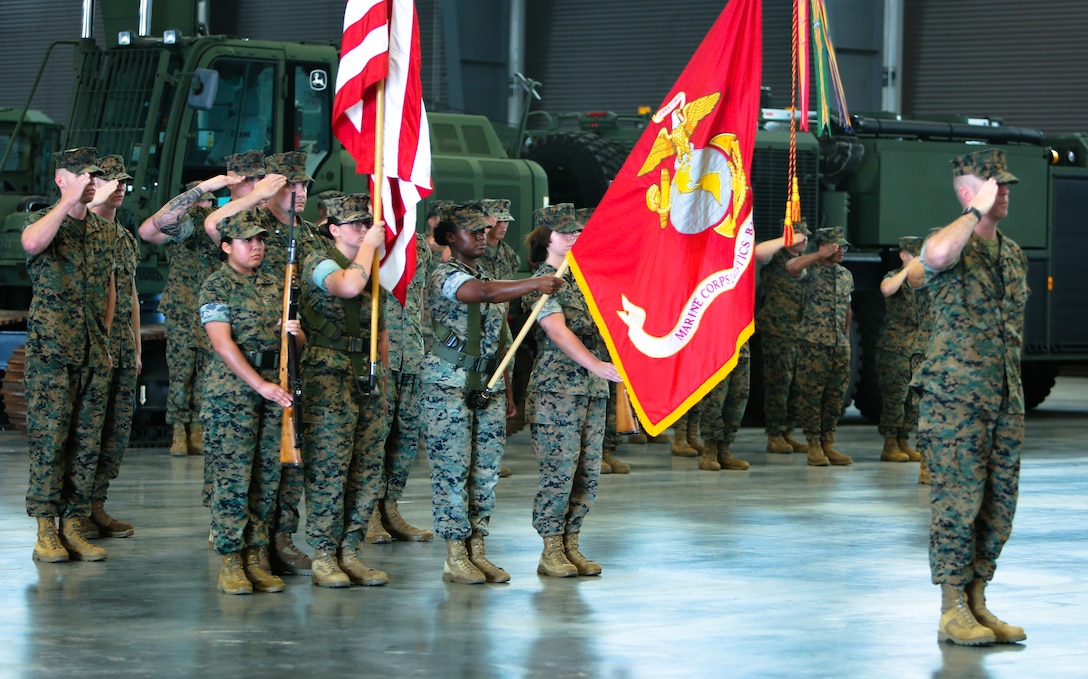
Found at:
<point>525,328</point>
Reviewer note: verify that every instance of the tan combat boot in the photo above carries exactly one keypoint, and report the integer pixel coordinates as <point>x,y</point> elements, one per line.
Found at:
<point>478,556</point>
<point>1004,633</point>
<point>376,534</point>
<point>797,446</point>
<point>727,461</point>
<point>326,571</point>
<point>256,570</point>
<point>109,527</point>
<point>708,459</point>
<point>833,456</point>
<point>457,567</point>
<point>48,547</point>
<point>614,465</point>
<point>777,444</point>
<point>816,457</point>
<point>923,472</point>
<point>553,560</point>
<point>958,624</point>
<point>288,558</point>
<point>232,577</point>
<point>891,451</point>
<point>398,527</point>
<point>912,454</point>
<point>660,438</point>
<point>638,438</point>
<point>179,446</point>
<point>71,537</point>
<point>505,471</point>
<point>605,467</point>
<point>196,439</point>
<point>584,565</point>
<point>680,445</point>
<point>694,439</point>
<point>359,572</point>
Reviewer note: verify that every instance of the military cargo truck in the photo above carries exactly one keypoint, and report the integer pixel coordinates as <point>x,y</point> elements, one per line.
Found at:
<point>175,103</point>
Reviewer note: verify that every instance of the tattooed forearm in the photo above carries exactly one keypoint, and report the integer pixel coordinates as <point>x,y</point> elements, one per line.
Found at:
<point>361,269</point>
<point>172,212</point>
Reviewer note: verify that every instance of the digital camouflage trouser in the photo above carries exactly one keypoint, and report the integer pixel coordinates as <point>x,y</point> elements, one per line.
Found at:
<point>464,448</point>
<point>974,465</point>
<point>185,364</point>
<point>116,429</point>
<point>567,433</point>
<point>403,441</point>
<point>899,414</point>
<point>821,377</point>
<point>65,406</point>
<point>779,388</point>
<point>242,442</point>
<point>343,443</point>
<point>723,408</point>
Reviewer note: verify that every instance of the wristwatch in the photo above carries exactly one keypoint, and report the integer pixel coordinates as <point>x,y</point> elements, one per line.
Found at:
<point>972,211</point>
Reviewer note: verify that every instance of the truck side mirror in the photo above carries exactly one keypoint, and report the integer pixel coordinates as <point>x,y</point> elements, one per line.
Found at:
<point>203,88</point>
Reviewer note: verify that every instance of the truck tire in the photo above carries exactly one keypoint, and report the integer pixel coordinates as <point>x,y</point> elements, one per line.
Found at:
<point>868,306</point>
<point>580,166</point>
<point>1038,379</point>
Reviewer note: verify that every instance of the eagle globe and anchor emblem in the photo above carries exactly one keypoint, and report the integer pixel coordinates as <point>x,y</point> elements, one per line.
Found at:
<point>701,189</point>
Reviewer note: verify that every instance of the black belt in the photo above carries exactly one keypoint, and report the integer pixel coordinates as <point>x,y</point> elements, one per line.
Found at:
<point>263,359</point>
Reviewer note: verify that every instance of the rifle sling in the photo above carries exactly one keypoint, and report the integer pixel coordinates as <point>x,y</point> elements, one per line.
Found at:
<point>350,339</point>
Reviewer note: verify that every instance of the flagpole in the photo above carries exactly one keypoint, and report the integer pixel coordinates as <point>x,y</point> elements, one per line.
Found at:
<point>376,203</point>
<point>525,328</point>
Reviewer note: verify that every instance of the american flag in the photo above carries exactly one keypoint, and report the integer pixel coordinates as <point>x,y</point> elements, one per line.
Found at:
<point>380,50</point>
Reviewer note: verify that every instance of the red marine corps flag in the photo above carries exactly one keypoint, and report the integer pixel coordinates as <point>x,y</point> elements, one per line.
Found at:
<point>666,259</point>
<point>378,112</point>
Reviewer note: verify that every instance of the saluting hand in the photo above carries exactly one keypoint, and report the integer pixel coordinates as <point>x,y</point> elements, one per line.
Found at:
<point>103,193</point>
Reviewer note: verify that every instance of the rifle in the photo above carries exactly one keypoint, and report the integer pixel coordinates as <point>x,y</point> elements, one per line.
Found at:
<point>290,436</point>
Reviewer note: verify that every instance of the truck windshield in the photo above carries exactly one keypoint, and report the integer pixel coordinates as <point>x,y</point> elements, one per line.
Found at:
<point>242,118</point>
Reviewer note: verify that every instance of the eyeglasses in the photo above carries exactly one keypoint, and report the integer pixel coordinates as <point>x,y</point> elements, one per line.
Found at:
<point>571,236</point>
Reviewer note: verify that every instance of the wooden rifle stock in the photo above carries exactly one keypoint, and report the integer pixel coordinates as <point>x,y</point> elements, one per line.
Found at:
<point>290,437</point>
<point>626,422</point>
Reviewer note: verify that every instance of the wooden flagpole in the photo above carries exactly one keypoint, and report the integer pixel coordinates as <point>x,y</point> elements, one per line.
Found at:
<point>376,204</point>
<point>525,328</point>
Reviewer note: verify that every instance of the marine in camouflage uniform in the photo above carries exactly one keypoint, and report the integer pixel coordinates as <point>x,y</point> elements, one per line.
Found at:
<point>274,219</point>
<point>900,350</point>
<point>777,323</point>
<point>240,420</point>
<point>566,401</point>
<point>70,253</point>
<point>499,259</point>
<point>404,327</point>
<point>464,445</point>
<point>125,348</point>
<point>344,429</point>
<point>192,257</point>
<point>971,422</point>
<point>823,354</point>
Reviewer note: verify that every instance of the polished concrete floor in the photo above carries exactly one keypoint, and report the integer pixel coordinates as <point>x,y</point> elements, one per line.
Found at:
<point>781,571</point>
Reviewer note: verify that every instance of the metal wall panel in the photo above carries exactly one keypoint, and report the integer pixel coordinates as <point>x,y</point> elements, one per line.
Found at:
<point>28,28</point>
<point>622,54</point>
<point>1019,61</point>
